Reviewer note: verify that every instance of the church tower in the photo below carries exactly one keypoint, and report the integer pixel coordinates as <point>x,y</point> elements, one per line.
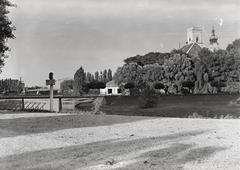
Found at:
<point>194,42</point>
<point>194,35</point>
<point>213,44</point>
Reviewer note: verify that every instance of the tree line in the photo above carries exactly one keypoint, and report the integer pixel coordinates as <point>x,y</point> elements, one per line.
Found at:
<point>83,81</point>
<point>11,85</point>
<point>210,72</point>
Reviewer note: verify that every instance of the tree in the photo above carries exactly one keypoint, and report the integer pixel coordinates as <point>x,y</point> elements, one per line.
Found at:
<point>79,80</point>
<point>66,85</point>
<point>100,85</point>
<point>96,76</point>
<point>6,30</point>
<point>101,76</point>
<point>234,45</point>
<point>95,85</point>
<point>109,75</point>
<point>88,77</point>
<point>104,76</point>
<point>148,98</point>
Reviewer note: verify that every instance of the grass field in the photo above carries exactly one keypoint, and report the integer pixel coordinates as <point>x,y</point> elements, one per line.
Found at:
<point>175,105</point>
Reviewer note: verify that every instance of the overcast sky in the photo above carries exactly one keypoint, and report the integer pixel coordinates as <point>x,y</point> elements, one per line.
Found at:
<point>60,36</point>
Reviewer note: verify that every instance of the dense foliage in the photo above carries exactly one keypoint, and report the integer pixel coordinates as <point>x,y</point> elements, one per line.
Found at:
<point>129,86</point>
<point>148,98</point>
<point>6,30</point>
<point>79,80</point>
<point>95,85</point>
<point>83,81</point>
<point>178,71</point>
<point>7,85</point>
<point>149,58</point>
<point>159,86</point>
<point>67,85</point>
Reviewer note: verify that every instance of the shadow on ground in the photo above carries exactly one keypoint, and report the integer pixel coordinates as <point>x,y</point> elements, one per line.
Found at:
<point>23,126</point>
<point>171,153</point>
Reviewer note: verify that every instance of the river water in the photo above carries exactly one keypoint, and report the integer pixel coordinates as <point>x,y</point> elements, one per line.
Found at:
<point>68,105</point>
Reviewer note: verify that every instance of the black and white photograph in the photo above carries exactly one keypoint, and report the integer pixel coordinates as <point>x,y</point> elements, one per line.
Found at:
<point>119,84</point>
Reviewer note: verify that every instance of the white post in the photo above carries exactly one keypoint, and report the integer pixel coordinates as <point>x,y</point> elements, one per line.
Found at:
<point>51,97</point>
<point>51,82</point>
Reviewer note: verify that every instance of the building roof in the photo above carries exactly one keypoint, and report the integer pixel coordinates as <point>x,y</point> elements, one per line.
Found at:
<point>192,49</point>
<point>111,84</point>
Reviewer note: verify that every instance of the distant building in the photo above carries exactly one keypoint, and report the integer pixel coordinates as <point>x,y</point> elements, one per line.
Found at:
<point>194,42</point>
<point>213,44</point>
<point>111,89</point>
<point>194,35</point>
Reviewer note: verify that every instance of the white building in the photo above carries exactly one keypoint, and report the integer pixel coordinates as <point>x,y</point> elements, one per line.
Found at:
<point>111,89</point>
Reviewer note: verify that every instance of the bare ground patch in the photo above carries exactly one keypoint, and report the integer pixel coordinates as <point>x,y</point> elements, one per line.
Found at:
<point>119,142</point>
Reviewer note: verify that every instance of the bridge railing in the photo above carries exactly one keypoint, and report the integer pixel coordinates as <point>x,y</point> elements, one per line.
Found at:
<point>19,102</point>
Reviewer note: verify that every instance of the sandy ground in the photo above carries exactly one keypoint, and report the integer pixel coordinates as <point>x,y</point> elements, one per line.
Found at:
<point>102,142</point>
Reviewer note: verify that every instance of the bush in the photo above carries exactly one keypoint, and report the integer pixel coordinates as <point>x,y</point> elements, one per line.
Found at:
<point>129,86</point>
<point>218,85</point>
<point>100,85</point>
<point>159,86</point>
<point>188,84</point>
<point>148,98</point>
<point>195,115</point>
<point>95,85</point>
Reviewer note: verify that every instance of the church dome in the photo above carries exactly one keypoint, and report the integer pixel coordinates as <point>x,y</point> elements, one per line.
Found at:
<point>213,38</point>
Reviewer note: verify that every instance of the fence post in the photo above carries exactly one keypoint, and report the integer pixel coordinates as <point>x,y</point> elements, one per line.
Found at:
<point>23,104</point>
<point>60,104</point>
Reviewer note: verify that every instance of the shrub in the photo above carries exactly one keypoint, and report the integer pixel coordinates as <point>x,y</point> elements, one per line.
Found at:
<point>159,86</point>
<point>100,85</point>
<point>95,85</point>
<point>195,115</point>
<point>148,98</point>
<point>188,84</point>
<point>129,86</point>
<point>233,103</point>
<point>218,85</point>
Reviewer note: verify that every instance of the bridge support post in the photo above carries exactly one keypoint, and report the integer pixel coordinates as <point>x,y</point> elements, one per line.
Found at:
<point>60,104</point>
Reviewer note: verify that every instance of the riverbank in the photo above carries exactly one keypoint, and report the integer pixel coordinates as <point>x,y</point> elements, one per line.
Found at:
<point>70,141</point>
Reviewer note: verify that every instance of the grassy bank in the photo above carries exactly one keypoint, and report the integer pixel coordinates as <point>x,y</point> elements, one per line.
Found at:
<point>175,105</point>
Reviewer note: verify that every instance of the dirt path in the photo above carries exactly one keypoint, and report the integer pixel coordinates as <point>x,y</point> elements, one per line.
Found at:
<point>101,142</point>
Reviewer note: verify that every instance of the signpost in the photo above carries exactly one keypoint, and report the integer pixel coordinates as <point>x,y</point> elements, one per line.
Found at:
<point>51,82</point>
